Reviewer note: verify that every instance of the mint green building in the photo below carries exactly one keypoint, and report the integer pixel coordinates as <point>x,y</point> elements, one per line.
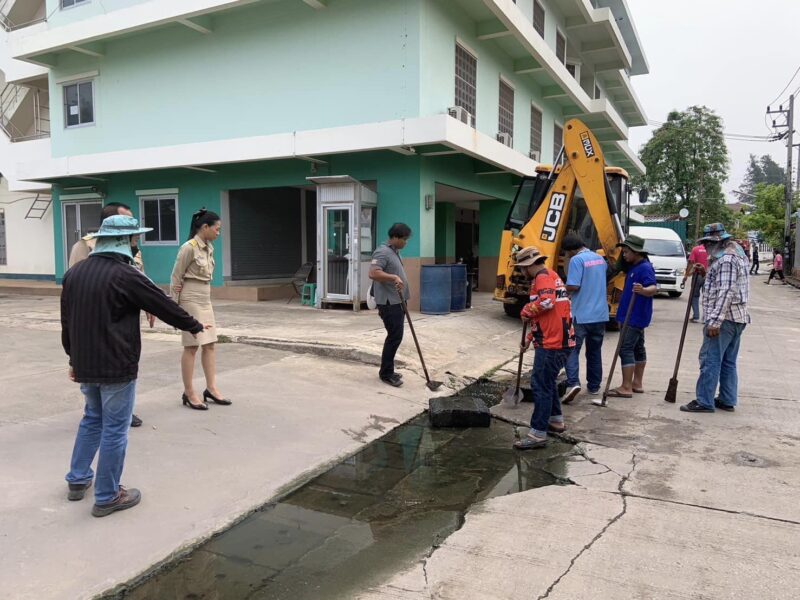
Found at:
<point>244,107</point>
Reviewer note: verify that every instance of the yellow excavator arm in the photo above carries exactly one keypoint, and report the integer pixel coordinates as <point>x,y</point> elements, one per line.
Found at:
<point>583,167</point>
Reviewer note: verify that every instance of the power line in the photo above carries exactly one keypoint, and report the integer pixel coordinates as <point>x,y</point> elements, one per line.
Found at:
<point>742,137</point>
<point>786,88</point>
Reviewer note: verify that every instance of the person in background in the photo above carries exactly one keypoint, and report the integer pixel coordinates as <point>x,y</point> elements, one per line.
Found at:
<point>84,246</point>
<point>777,267</point>
<point>191,289</point>
<point>587,286</point>
<point>697,267</point>
<point>754,264</point>
<point>640,287</point>
<point>390,288</point>
<point>100,303</point>
<point>727,293</point>
<point>553,340</point>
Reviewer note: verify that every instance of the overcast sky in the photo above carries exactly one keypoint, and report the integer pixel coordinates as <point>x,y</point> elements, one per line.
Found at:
<point>733,56</point>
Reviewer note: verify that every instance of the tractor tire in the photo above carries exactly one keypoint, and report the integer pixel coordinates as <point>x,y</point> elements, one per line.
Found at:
<point>513,310</point>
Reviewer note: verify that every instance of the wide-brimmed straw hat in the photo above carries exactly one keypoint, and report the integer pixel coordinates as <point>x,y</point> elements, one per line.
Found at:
<point>528,256</point>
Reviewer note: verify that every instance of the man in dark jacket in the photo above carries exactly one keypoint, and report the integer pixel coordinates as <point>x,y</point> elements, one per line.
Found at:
<point>100,303</point>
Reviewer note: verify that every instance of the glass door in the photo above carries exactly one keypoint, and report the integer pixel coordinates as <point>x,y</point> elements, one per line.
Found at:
<point>79,219</point>
<point>338,263</point>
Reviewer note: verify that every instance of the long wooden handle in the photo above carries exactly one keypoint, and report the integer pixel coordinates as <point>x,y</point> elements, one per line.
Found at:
<point>620,340</point>
<point>414,335</point>
<point>521,353</point>
<point>685,325</point>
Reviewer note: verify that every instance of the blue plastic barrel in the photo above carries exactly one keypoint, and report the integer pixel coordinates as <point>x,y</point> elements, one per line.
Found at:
<point>435,289</point>
<point>458,288</point>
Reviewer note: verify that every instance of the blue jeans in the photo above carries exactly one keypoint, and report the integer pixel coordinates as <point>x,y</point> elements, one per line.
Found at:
<point>718,365</point>
<point>696,297</point>
<point>592,334</point>
<point>632,350</point>
<point>546,404</point>
<point>105,423</point>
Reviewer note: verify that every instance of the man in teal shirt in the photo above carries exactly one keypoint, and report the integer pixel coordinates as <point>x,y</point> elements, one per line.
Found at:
<point>586,283</point>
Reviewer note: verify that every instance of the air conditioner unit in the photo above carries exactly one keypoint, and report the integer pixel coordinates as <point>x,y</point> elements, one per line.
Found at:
<point>535,155</point>
<point>505,138</point>
<point>460,113</point>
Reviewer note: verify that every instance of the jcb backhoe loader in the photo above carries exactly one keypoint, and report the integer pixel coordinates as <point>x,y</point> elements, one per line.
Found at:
<point>582,195</point>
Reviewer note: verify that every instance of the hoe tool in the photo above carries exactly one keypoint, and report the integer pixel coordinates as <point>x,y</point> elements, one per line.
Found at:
<point>672,388</point>
<point>604,400</point>
<point>513,395</point>
<point>432,385</point>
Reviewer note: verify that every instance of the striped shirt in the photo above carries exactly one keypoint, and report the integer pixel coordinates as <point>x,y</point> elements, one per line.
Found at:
<point>727,289</point>
<point>100,303</point>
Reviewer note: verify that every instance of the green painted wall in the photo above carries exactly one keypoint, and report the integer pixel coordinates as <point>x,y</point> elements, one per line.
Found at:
<point>442,22</point>
<point>397,177</point>
<point>445,230</point>
<point>268,68</point>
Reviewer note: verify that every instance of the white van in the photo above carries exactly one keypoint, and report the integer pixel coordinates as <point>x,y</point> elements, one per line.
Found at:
<point>666,251</point>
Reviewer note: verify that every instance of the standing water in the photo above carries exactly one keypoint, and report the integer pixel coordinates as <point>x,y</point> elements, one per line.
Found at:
<point>371,516</point>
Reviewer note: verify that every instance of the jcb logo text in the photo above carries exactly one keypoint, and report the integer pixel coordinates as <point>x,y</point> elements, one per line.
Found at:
<point>553,217</point>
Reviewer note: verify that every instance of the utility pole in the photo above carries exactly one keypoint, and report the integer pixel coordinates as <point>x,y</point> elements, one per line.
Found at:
<point>789,114</point>
<point>699,200</point>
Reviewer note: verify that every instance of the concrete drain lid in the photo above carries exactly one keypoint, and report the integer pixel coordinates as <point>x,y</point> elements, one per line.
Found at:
<point>749,460</point>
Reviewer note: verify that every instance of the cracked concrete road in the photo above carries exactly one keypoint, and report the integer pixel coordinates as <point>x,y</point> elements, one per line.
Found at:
<point>666,504</point>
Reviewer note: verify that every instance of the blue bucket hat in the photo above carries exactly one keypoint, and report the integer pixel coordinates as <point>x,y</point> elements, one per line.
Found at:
<point>715,232</point>
<point>119,225</point>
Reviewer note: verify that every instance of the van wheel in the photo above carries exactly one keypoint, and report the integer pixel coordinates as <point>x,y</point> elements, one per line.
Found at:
<point>674,294</point>
<point>513,310</point>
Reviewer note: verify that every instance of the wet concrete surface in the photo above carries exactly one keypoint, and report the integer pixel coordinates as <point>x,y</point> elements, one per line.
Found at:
<point>367,518</point>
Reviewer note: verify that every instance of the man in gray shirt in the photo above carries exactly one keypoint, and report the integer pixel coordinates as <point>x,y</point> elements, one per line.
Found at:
<point>390,282</point>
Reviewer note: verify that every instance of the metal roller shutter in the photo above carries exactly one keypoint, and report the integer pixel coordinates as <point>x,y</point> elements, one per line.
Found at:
<point>265,232</point>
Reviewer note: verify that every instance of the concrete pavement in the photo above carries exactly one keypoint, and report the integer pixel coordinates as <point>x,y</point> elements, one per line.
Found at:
<point>678,506</point>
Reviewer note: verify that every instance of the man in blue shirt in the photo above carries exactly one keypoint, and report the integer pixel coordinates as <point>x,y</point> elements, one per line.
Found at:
<point>640,287</point>
<point>587,285</point>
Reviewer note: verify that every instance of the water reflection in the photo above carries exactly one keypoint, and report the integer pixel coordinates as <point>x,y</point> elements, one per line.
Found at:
<point>365,519</point>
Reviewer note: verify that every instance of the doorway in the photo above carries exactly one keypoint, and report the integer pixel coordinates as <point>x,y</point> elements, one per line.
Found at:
<point>78,219</point>
<point>337,266</point>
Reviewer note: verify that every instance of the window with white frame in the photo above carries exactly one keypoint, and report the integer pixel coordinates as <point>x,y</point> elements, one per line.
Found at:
<point>466,80</point>
<point>506,119</point>
<point>538,17</point>
<point>574,69</point>
<point>78,103</point>
<point>598,93</point>
<point>558,140</point>
<point>3,256</point>
<point>561,47</point>
<point>536,130</point>
<point>71,3</point>
<point>160,213</point>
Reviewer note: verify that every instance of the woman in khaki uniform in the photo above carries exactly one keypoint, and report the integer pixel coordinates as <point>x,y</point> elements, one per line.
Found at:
<point>191,289</point>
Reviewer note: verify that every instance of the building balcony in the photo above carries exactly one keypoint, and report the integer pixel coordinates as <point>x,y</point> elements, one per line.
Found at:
<point>18,14</point>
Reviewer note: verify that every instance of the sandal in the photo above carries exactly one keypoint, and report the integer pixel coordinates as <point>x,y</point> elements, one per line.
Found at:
<point>635,391</point>
<point>617,394</point>
<point>551,427</point>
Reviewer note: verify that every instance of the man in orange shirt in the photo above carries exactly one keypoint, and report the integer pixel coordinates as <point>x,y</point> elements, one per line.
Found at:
<point>550,314</point>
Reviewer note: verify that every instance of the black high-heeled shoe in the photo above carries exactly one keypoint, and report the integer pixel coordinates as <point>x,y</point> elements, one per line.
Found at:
<point>187,402</point>
<point>208,395</point>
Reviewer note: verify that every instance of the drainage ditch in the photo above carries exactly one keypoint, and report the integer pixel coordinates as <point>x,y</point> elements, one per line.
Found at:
<point>369,517</point>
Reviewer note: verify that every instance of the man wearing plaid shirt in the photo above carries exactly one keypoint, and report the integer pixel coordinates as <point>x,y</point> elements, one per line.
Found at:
<point>726,294</point>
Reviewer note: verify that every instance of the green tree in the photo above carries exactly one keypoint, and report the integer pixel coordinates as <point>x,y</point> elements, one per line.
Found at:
<point>768,215</point>
<point>685,156</point>
<point>760,170</point>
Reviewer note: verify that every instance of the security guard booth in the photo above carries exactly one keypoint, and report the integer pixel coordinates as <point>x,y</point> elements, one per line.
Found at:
<point>346,237</point>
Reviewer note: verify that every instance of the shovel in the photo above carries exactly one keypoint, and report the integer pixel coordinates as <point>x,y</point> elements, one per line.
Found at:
<point>432,385</point>
<point>604,400</point>
<point>672,388</point>
<point>513,395</point>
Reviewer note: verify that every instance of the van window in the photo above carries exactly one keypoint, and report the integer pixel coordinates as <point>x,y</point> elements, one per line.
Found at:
<point>664,248</point>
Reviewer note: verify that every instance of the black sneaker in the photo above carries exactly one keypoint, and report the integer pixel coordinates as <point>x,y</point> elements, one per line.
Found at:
<point>77,490</point>
<point>721,406</point>
<point>135,421</point>
<point>125,499</point>
<point>394,380</point>
<point>694,407</point>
